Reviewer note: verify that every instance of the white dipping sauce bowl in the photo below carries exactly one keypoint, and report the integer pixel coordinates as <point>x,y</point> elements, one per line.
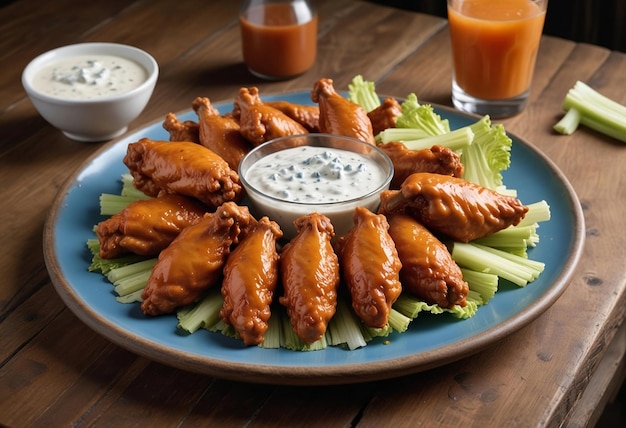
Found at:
<point>285,212</point>
<point>99,118</point>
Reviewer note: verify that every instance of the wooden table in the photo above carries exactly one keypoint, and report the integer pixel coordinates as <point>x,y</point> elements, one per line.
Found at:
<point>561,369</point>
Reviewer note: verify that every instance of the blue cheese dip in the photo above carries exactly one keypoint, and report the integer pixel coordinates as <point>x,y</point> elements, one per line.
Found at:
<point>88,77</point>
<point>296,181</point>
<point>312,175</point>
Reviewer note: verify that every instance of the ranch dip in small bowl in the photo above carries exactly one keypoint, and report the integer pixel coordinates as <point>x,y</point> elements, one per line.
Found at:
<point>292,176</point>
<point>91,91</point>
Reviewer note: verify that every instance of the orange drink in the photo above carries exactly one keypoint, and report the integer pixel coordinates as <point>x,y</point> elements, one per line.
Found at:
<point>279,38</point>
<point>494,47</point>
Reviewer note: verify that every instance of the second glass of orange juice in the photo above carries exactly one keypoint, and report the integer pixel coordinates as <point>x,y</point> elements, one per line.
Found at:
<point>494,48</point>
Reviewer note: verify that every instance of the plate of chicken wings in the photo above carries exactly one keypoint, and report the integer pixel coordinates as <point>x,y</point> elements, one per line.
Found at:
<point>430,341</point>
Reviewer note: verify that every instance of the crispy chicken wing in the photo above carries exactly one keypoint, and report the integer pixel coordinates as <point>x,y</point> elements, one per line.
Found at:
<point>220,133</point>
<point>184,168</point>
<point>310,276</point>
<point>260,122</point>
<point>370,267</point>
<point>428,270</point>
<point>454,207</point>
<point>305,115</point>
<point>181,131</point>
<point>437,160</point>
<point>193,262</point>
<point>250,277</point>
<point>384,116</point>
<point>147,226</point>
<point>339,115</point>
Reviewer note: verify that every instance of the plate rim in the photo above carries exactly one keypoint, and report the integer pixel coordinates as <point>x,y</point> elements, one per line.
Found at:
<point>305,375</point>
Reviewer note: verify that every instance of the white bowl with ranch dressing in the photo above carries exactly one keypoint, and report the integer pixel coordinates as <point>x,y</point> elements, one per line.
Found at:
<point>329,174</point>
<point>91,91</point>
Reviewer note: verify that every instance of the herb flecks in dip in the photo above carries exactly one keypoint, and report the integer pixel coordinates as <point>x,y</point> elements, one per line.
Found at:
<point>311,174</point>
<point>89,76</point>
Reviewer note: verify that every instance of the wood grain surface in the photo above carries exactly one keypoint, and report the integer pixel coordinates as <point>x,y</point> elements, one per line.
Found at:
<point>55,371</point>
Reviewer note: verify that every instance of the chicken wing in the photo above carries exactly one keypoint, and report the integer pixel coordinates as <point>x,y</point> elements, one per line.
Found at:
<point>194,261</point>
<point>370,267</point>
<point>384,116</point>
<point>454,207</point>
<point>183,168</point>
<point>310,277</point>
<point>260,122</point>
<point>250,277</point>
<point>305,115</point>
<point>339,115</point>
<point>181,131</point>
<point>220,133</point>
<point>428,270</point>
<point>147,226</point>
<point>437,160</point>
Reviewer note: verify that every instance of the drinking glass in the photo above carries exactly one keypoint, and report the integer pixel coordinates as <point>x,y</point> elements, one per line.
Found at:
<point>494,48</point>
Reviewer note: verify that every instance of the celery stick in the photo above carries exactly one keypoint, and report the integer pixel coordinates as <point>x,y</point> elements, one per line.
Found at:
<point>512,239</point>
<point>485,284</point>
<point>363,93</point>
<point>537,212</point>
<point>421,116</point>
<point>113,204</point>
<point>398,321</point>
<point>133,297</point>
<point>516,269</point>
<point>345,327</point>
<point>411,306</point>
<point>464,312</point>
<point>203,314</point>
<point>272,337</point>
<point>488,155</point>
<point>104,266</point>
<point>474,296</point>
<point>455,140</point>
<point>219,326</point>
<point>584,105</point>
<point>400,135</point>
<point>369,332</point>
<point>125,271</point>
<point>131,283</point>
<point>568,123</point>
<point>293,342</point>
<point>226,329</point>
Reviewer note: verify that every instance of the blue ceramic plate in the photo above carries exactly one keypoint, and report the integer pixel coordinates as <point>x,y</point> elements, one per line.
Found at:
<point>430,341</point>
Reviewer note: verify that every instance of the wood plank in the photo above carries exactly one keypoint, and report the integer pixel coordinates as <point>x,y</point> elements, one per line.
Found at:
<point>604,385</point>
<point>41,372</point>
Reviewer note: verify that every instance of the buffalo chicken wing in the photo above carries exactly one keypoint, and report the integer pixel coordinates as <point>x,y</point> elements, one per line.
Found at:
<point>307,116</point>
<point>339,115</point>
<point>310,277</point>
<point>428,270</point>
<point>194,261</point>
<point>436,160</point>
<point>183,168</point>
<point>220,133</point>
<point>250,278</point>
<point>370,267</point>
<point>147,226</point>
<point>384,116</point>
<point>187,130</point>
<point>454,207</point>
<point>260,122</point>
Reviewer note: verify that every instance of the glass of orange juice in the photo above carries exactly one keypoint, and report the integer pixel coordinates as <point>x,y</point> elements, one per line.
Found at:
<point>278,37</point>
<point>494,48</point>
